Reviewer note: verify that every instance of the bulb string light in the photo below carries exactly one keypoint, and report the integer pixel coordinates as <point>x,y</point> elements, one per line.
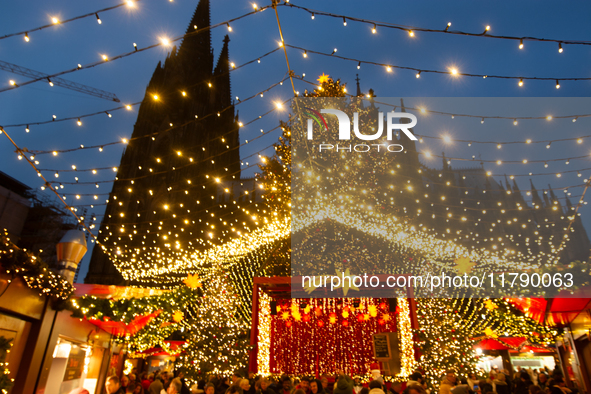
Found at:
<point>454,72</point>
<point>94,13</point>
<point>55,152</point>
<point>408,29</point>
<point>422,110</point>
<point>109,59</point>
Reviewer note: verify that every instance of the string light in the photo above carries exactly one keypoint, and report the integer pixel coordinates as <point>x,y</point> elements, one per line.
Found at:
<point>560,50</point>
<point>305,54</point>
<point>312,16</point>
<point>374,30</point>
<point>55,20</point>
<point>79,122</point>
<point>12,82</point>
<point>418,74</point>
<point>27,37</point>
<point>521,43</point>
<point>486,29</point>
<point>358,65</point>
<point>520,83</point>
<point>98,19</point>
<point>557,84</point>
<point>105,57</point>
<point>344,21</point>
<point>448,26</point>
<point>135,46</point>
<point>165,41</point>
<point>514,122</point>
<point>50,82</point>
<point>229,27</point>
<point>411,33</point>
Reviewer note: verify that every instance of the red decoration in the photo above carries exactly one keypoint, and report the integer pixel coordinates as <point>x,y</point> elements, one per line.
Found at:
<point>324,341</point>
<point>383,305</point>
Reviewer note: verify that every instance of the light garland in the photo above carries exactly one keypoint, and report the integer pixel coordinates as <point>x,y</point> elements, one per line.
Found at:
<point>264,335</point>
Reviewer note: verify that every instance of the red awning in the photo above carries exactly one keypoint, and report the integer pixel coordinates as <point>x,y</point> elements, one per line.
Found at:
<point>174,346</point>
<point>122,329</point>
<point>513,344</point>
<point>501,343</point>
<point>552,311</point>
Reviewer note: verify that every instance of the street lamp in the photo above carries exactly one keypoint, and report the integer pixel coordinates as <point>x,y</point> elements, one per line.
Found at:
<point>70,250</point>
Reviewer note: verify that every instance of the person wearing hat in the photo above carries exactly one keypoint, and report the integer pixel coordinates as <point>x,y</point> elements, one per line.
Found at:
<point>344,385</point>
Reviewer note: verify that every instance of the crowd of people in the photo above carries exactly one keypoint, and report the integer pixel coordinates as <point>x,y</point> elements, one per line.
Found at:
<point>494,382</point>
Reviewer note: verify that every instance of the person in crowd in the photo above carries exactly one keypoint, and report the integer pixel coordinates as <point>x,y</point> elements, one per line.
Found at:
<point>304,385</point>
<point>395,388</point>
<point>448,382</point>
<point>364,390</point>
<point>130,388</point>
<point>156,386</point>
<point>138,388</point>
<point>236,377</point>
<point>262,386</point>
<point>244,385</point>
<point>543,381</point>
<point>462,388</point>
<point>325,387</point>
<point>491,377</point>
<point>124,382</point>
<point>174,386</point>
<point>485,387</point>
<point>357,386</point>
<point>316,387</point>
<point>147,379</point>
<point>113,385</point>
<point>234,389</point>
<point>131,377</point>
<point>223,386</point>
<point>472,380</point>
<point>533,389</point>
<point>209,388</point>
<point>517,373</point>
<point>500,386</point>
<point>416,378</point>
<point>299,391</point>
<point>416,389</point>
<point>286,385</point>
<point>521,385</point>
<point>344,385</point>
<point>184,388</point>
<point>375,387</point>
<point>558,386</point>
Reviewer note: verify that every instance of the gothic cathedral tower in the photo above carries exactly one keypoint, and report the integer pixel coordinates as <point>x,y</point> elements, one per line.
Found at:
<point>181,139</point>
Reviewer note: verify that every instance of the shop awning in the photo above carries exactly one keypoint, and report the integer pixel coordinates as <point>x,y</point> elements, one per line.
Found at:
<point>517,344</point>
<point>552,311</point>
<point>123,329</point>
<point>174,347</point>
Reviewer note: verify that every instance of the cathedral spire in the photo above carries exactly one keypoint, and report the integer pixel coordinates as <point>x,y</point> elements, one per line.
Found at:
<point>358,88</point>
<point>535,197</point>
<point>195,51</point>
<point>222,77</point>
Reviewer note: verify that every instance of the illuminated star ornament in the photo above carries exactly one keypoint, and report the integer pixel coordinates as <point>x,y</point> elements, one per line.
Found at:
<point>192,281</point>
<point>323,78</point>
<point>463,265</point>
<point>490,333</point>
<point>178,316</point>
<point>490,305</point>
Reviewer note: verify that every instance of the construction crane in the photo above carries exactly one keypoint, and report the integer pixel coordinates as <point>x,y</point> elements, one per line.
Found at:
<point>64,83</point>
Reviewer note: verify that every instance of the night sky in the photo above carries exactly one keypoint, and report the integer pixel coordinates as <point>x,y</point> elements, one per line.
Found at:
<point>84,41</point>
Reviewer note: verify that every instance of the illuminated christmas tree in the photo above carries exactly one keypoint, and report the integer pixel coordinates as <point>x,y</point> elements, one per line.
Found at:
<point>218,340</point>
